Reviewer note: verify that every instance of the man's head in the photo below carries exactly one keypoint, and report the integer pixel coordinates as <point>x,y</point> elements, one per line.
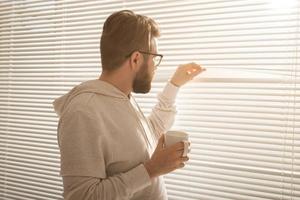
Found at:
<point>131,38</point>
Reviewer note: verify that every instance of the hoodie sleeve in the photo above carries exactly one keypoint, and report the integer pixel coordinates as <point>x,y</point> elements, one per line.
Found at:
<point>83,166</point>
<point>120,186</point>
<point>163,114</point>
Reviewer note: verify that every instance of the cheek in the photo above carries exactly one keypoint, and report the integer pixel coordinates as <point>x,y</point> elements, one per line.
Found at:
<point>151,65</point>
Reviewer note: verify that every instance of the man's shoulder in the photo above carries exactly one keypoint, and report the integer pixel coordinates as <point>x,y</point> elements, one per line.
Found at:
<point>81,104</point>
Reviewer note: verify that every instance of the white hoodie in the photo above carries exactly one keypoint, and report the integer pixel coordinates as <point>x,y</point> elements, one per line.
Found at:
<point>102,135</point>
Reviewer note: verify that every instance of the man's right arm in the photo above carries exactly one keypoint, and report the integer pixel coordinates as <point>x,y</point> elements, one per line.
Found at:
<point>120,186</point>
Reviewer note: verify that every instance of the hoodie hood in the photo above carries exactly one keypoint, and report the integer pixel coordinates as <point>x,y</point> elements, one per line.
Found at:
<point>92,86</point>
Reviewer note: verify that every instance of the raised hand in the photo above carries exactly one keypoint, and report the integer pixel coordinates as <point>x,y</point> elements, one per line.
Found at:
<point>185,73</point>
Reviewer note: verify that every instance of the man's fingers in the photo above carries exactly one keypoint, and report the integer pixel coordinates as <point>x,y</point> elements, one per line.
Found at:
<point>179,153</point>
<point>177,146</point>
<point>181,165</point>
<point>194,69</point>
<point>184,159</point>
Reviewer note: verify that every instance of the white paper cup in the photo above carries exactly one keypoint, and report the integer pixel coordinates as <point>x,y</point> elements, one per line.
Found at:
<point>172,137</point>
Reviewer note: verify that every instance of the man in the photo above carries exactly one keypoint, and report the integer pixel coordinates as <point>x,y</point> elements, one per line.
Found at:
<point>109,150</point>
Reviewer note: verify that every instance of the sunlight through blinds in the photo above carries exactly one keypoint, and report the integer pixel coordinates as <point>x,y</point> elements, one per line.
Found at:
<point>242,114</point>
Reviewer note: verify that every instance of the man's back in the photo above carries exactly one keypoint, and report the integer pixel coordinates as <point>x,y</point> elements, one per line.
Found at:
<point>100,136</point>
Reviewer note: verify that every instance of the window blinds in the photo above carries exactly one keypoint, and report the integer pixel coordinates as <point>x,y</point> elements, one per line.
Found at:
<point>242,114</point>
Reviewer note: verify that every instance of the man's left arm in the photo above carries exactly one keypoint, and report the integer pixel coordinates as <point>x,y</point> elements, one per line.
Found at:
<point>163,114</point>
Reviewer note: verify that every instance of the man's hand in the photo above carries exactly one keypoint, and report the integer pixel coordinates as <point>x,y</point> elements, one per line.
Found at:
<point>165,160</point>
<point>185,73</point>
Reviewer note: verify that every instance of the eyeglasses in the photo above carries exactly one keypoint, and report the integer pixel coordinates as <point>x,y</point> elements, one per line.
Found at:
<point>156,57</point>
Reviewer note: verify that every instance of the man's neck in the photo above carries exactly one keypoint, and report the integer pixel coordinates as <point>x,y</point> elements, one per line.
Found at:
<point>118,80</point>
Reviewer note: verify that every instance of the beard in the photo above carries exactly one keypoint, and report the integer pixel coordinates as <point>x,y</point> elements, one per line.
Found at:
<point>142,81</point>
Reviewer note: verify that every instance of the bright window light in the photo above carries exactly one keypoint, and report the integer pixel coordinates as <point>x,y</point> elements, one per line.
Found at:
<point>283,4</point>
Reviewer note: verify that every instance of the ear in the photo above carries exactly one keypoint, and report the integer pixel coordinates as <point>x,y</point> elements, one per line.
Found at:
<point>136,60</point>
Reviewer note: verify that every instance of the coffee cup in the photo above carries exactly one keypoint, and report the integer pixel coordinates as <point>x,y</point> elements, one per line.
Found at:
<point>172,137</point>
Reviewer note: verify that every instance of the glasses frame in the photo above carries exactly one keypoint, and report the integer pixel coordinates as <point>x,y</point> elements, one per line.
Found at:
<point>148,53</point>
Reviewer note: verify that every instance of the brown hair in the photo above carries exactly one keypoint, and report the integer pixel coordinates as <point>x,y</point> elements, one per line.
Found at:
<point>123,33</point>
